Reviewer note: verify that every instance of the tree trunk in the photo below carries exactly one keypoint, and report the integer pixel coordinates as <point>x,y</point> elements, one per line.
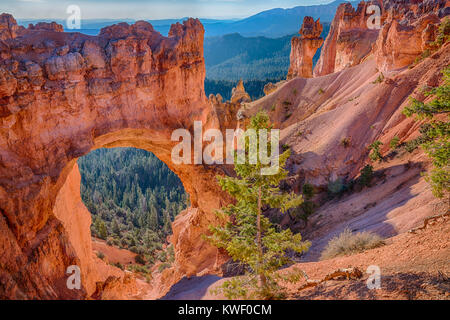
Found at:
<point>262,277</point>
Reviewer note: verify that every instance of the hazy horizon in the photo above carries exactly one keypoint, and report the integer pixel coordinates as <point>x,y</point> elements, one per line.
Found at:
<point>147,9</point>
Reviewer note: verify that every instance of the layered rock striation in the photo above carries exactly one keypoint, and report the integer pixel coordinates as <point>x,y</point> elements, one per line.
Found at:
<point>402,32</point>
<point>304,48</point>
<point>349,39</point>
<point>410,28</point>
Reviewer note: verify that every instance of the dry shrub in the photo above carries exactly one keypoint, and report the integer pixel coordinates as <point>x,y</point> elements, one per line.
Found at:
<point>348,243</point>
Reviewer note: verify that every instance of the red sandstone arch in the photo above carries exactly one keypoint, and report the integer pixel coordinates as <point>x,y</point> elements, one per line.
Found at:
<point>64,94</point>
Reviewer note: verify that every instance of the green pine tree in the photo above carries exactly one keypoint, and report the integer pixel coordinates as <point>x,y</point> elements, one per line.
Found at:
<point>246,234</point>
<point>153,218</point>
<point>167,223</point>
<point>436,133</point>
<point>100,228</point>
<point>115,227</point>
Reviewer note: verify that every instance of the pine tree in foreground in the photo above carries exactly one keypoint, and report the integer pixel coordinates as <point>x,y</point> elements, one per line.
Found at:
<point>247,235</point>
<point>436,134</point>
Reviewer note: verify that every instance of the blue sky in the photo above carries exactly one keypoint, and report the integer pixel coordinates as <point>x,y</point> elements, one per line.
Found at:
<point>146,9</point>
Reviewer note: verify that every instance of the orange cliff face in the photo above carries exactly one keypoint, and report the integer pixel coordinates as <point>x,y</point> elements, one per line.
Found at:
<point>349,39</point>
<point>304,48</point>
<point>347,96</point>
<point>64,94</point>
<point>406,29</point>
<point>409,29</point>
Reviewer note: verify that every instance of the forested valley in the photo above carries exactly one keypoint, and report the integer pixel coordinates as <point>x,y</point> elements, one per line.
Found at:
<point>133,198</point>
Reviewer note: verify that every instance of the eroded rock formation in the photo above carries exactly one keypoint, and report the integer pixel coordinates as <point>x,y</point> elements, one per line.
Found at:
<point>405,29</point>
<point>304,48</point>
<point>239,95</point>
<point>350,104</point>
<point>349,39</point>
<point>409,29</point>
<point>64,94</point>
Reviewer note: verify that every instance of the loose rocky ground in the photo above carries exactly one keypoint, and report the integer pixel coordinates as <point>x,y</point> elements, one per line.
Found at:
<point>413,266</point>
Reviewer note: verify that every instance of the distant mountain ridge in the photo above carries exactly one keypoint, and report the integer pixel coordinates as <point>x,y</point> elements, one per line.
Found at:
<point>279,22</point>
<point>273,23</point>
<point>233,56</point>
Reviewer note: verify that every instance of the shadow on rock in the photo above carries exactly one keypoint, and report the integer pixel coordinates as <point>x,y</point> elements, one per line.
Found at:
<point>193,288</point>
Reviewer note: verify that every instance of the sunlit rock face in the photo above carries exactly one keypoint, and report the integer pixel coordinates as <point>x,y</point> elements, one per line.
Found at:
<point>349,39</point>
<point>304,48</point>
<point>409,29</point>
<point>239,95</point>
<point>64,94</point>
<point>405,29</point>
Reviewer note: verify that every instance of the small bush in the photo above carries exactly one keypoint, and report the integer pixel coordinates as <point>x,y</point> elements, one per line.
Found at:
<point>308,191</point>
<point>336,187</point>
<point>348,243</point>
<point>380,79</point>
<point>134,249</point>
<point>308,208</point>
<point>412,145</point>
<point>321,91</point>
<point>163,266</point>
<point>394,143</point>
<point>101,255</point>
<point>139,259</point>
<point>345,142</point>
<point>443,33</point>
<point>366,176</point>
<point>273,108</point>
<point>162,256</point>
<point>139,269</point>
<point>375,154</point>
<point>285,147</point>
<point>422,56</point>
<point>118,265</point>
<point>303,212</point>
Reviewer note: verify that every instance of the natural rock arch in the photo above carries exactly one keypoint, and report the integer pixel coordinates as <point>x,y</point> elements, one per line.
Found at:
<point>65,94</point>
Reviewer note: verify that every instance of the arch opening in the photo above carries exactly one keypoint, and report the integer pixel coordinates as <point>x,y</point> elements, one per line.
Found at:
<point>133,199</point>
<point>172,248</point>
